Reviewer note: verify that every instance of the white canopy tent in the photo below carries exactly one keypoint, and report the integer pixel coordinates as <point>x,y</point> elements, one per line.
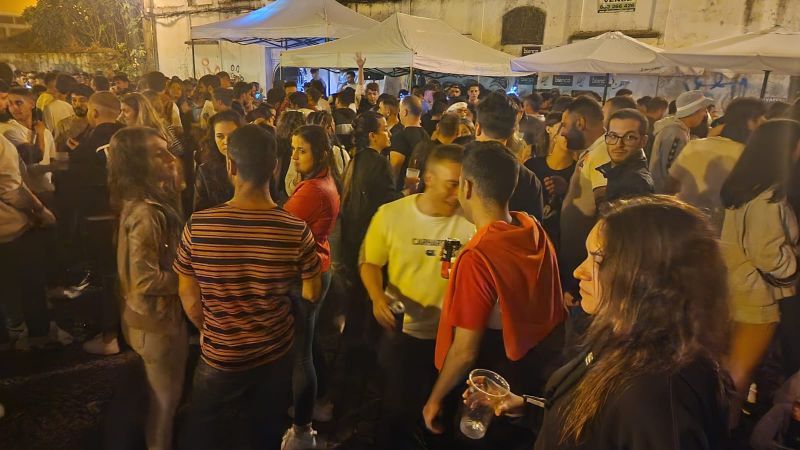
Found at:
<point>611,52</point>
<point>775,50</point>
<point>405,41</point>
<point>287,24</point>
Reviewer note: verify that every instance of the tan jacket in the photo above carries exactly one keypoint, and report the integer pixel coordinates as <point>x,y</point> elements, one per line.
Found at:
<point>145,252</point>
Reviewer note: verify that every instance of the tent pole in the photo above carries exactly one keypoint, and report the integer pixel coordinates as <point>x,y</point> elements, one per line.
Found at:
<point>764,84</point>
<point>194,63</point>
<point>658,81</point>
<point>410,78</point>
<point>605,86</point>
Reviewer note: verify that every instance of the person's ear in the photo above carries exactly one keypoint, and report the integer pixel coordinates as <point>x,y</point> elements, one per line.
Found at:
<point>230,165</point>
<point>645,140</point>
<point>468,189</point>
<point>580,123</point>
<point>478,130</point>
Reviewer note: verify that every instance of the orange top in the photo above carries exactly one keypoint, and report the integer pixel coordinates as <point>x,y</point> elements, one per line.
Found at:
<point>515,265</point>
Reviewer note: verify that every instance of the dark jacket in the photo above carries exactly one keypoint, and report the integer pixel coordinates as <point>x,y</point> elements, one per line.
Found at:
<point>629,179</point>
<point>681,411</point>
<point>527,196</point>
<point>86,180</point>
<point>211,184</point>
<point>368,184</point>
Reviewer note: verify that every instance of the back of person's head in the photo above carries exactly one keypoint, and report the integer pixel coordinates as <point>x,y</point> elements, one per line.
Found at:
<point>155,81</point>
<point>672,109</point>
<point>621,102</point>
<point>777,109</point>
<point>623,92</point>
<point>6,73</point>
<point>631,114</point>
<point>263,111</point>
<point>413,105</point>
<point>364,124</point>
<point>289,84</point>
<point>240,88</point>
<point>288,122</point>
<point>449,125</point>
<point>65,84</point>
<point>120,77</point>
<point>254,151</point>
<point>588,109</point>
<point>101,83</point>
<point>389,101</point>
<point>496,116</point>
<point>224,96</point>
<point>492,169</point>
<point>418,91</point>
<point>646,322</point>
<point>209,81</point>
<point>314,94</point>
<point>346,97</point>
<point>319,86</point>
<point>643,101</point>
<point>50,77</point>
<point>657,104</point>
<point>739,112</point>
<point>561,103</point>
<point>105,103</point>
<point>223,76</point>
<point>298,99</point>
<point>439,107</point>
<point>766,163</point>
<point>533,101</point>
<point>275,96</point>
<point>592,95</point>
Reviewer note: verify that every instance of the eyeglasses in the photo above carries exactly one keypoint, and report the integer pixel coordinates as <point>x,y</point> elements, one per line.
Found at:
<point>628,139</point>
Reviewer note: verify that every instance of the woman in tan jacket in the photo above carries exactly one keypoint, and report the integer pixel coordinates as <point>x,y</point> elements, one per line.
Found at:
<point>141,184</point>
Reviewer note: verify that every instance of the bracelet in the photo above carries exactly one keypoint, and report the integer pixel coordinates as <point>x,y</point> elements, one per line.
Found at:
<point>535,401</point>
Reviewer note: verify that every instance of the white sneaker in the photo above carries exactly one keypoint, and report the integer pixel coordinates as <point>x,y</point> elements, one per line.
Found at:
<point>98,346</point>
<point>17,331</point>
<point>58,335</point>
<point>295,439</point>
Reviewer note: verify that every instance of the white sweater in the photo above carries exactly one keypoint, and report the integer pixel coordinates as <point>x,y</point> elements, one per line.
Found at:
<point>760,237</point>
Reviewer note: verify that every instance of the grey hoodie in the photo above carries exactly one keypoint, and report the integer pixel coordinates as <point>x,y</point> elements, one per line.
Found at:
<point>671,135</point>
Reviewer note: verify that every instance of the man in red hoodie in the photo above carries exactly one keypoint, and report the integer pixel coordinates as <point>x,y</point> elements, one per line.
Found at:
<point>503,305</point>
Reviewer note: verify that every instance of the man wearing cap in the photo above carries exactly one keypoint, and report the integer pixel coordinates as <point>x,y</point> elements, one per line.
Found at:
<point>672,134</point>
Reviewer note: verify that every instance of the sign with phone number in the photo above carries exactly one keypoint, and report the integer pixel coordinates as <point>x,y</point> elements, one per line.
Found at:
<point>612,6</point>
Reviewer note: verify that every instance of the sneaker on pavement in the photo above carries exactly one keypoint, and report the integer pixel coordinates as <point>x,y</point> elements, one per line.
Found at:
<point>299,439</point>
<point>17,331</point>
<point>97,346</point>
<point>58,335</point>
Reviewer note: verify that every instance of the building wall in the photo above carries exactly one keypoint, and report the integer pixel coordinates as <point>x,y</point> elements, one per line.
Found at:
<point>665,23</point>
<point>66,62</point>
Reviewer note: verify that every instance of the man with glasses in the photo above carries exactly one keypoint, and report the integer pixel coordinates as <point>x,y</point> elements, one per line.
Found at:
<point>627,172</point>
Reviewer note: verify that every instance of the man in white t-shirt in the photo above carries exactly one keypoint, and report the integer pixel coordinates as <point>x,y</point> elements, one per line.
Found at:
<point>702,167</point>
<point>582,126</point>
<point>59,109</point>
<point>406,238</point>
<point>32,139</point>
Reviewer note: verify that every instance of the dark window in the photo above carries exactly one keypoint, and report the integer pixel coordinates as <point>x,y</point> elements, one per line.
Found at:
<point>524,25</point>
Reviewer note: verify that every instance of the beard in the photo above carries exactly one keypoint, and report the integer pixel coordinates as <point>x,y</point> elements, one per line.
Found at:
<point>81,112</point>
<point>5,116</point>
<point>575,140</point>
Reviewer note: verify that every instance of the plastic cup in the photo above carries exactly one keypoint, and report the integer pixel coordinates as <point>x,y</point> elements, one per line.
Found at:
<point>487,389</point>
<point>412,173</point>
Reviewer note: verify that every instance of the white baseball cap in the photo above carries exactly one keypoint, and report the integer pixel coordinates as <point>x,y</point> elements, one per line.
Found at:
<point>690,102</point>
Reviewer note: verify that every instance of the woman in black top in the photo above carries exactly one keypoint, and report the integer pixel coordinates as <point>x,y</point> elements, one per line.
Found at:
<point>212,186</point>
<point>555,171</point>
<point>649,375</point>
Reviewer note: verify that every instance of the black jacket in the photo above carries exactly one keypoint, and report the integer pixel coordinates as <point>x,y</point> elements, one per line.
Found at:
<point>211,185</point>
<point>528,195</point>
<point>681,411</point>
<point>85,181</point>
<point>368,184</point>
<point>627,180</point>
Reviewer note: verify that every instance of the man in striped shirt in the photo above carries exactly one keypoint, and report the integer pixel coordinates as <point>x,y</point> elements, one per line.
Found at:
<point>236,263</point>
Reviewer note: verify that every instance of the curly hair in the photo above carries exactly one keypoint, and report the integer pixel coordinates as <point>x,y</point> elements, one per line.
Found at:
<point>662,302</point>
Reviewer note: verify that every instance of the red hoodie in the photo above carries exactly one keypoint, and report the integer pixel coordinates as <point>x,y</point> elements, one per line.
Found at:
<point>515,265</point>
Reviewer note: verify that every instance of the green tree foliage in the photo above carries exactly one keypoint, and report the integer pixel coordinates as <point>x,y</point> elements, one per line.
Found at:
<point>70,25</point>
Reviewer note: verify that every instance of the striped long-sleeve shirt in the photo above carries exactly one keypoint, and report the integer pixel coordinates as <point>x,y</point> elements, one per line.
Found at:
<point>245,262</point>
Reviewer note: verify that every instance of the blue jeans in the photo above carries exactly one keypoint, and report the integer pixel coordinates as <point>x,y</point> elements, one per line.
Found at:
<point>262,391</point>
<point>309,362</point>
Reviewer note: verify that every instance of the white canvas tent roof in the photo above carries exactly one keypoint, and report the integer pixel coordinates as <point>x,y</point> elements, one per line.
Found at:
<point>403,41</point>
<point>775,50</point>
<point>612,52</point>
<point>288,20</point>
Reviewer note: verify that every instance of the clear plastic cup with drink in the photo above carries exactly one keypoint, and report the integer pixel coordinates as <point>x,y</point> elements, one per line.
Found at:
<point>486,390</point>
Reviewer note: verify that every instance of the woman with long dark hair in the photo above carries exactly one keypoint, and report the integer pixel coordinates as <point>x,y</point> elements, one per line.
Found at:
<point>287,123</point>
<point>141,188</point>
<point>648,375</point>
<point>760,245</point>
<point>316,201</point>
<point>146,110</point>
<point>339,155</point>
<point>212,186</point>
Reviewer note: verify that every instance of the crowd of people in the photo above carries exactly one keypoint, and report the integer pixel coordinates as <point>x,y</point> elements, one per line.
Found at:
<point>625,266</point>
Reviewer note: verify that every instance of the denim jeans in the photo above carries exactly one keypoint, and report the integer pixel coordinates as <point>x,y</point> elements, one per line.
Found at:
<point>309,362</point>
<point>23,278</point>
<point>262,391</point>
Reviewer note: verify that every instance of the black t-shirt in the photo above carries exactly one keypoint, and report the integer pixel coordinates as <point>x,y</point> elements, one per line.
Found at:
<point>552,203</point>
<point>365,105</point>
<point>429,123</point>
<point>404,143</point>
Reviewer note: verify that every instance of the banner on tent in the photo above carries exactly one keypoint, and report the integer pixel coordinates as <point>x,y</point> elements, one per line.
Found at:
<point>531,49</point>
<point>563,80</point>
<point>612,6</point>
<point>597,80</point>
